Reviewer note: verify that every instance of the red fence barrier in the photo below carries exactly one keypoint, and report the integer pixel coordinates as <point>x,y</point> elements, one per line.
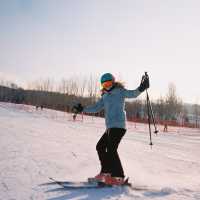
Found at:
<point>166,122</point>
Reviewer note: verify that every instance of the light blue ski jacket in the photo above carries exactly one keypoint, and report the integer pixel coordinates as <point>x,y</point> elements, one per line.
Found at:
<point>113,103</point>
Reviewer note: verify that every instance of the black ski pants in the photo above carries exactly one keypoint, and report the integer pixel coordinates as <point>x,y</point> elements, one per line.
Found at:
<point>107,152</point>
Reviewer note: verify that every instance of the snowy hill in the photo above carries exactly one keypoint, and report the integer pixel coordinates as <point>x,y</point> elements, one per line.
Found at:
<point>35,145</point>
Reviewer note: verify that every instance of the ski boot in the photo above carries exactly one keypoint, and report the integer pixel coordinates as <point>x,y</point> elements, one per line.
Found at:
<point>109,180</point>
<point>99,177</point>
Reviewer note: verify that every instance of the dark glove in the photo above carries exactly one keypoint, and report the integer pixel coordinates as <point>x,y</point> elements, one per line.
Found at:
<point>78,108</point>
<point>144,83</point>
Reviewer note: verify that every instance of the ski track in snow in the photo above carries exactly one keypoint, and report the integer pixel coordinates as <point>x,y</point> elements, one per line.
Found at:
<point>35,145</point>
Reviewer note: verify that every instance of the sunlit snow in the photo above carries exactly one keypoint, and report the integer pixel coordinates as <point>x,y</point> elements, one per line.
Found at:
<point>36,145</point>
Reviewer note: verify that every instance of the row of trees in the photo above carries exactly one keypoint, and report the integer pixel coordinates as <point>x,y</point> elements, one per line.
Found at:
<point>75,86</point>
<point>47,92</point>
<point>68,92</point>
<point>169,107</point>
<point>52,100</point>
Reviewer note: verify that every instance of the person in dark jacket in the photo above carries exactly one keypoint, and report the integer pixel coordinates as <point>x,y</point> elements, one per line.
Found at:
<point>113,102</point>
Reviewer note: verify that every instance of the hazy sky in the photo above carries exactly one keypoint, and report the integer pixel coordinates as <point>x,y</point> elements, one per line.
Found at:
<point>60,38</point>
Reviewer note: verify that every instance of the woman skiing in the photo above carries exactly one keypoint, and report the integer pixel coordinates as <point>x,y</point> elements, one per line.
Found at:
<point>113,103</point>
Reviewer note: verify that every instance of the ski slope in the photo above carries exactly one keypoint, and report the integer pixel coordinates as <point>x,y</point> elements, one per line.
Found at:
<point>35,145</point>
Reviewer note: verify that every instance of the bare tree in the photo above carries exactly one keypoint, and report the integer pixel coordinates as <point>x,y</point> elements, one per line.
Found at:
<point>42,85</point>
<point>82,87</point>
<point>196,108</point>
<point>92,88</point>
<point>160,108</point>
<point>48,85</point>
<point>173,103</point>
<point>63,86</point>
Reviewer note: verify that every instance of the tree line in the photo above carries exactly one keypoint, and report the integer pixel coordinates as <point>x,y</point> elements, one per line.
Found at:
<point>46,93</point>
<point>69,92</point>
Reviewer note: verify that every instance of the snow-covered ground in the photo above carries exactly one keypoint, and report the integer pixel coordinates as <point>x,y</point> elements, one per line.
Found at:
<point>35,145</point>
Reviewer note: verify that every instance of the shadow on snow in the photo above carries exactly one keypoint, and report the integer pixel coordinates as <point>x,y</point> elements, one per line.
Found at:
<point>93,194</point>
<point>104,193</point>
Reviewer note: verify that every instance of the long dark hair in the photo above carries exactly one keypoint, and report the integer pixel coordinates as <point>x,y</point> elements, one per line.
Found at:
<point>118,84</point>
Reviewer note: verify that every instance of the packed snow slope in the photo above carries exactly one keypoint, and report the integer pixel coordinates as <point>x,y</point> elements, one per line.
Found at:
<point>36,145</point>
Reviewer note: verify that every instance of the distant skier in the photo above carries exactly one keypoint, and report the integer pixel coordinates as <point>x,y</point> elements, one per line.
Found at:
<point>76,109</point>
<point>113,103</point>
<point>165,128</point>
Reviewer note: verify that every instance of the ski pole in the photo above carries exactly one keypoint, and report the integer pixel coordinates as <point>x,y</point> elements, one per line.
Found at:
<point>148,109</point>
<point>151,113</point>
<point>150,106</point>
<point>149,119</point>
